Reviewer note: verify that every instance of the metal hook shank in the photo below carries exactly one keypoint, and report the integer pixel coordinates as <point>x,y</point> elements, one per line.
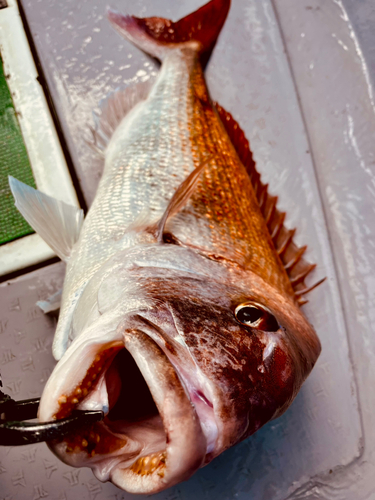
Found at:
<point>16,433</point>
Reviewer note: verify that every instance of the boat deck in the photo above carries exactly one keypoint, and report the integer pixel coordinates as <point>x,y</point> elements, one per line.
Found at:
<point>299,76</point>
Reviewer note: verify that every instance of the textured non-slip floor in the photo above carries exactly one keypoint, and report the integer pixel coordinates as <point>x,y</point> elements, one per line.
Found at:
<point>299,77</point>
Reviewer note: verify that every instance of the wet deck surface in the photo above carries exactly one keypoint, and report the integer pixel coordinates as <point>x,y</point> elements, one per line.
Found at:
<point>299,78</point>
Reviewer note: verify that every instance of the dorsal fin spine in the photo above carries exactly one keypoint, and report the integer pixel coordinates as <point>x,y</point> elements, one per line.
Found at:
<point>299,293</point>
<point>271,210</point>
<point>286,243</point>
<point>263,196</point>
<point>296,258</point>
<point>278,226</point>
<point>290,255</point>
<point>301,301</point>
<point>298,279</point>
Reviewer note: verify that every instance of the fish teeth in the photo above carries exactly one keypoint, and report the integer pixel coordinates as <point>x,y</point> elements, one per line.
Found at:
<point>147,465</point>
<point>91,393</point>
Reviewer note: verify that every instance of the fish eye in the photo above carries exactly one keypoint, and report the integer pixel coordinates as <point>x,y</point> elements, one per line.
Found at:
<point>256,316</point>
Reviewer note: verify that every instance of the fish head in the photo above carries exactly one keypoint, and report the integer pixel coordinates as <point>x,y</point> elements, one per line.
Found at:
<point>241,348</point>
<point>185,356</point>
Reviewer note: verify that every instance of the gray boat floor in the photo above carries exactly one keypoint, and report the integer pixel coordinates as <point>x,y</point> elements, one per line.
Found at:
<point>299,76</point>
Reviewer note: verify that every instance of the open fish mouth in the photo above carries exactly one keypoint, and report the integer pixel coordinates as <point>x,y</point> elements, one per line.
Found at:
<point>151,437</point>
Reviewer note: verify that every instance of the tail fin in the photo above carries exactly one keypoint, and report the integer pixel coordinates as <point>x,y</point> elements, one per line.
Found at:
<point>156,35</point>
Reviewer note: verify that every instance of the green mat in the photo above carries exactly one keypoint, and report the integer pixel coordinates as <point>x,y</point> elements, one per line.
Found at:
<point>13,161</point>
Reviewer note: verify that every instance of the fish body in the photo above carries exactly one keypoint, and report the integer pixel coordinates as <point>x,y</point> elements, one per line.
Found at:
<point>178,318</point>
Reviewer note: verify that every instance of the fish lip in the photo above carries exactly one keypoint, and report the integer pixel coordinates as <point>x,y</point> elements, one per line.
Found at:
<point>197,386</point>
<point>186,443</point>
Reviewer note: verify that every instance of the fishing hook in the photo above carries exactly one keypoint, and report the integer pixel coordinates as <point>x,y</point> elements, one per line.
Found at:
<point>15,432</point>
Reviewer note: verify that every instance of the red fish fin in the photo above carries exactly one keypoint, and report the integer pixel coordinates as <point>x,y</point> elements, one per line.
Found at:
<point>179,199</point>
<point>289,253</point>
<point>112,111</point>
<point>155,35</point>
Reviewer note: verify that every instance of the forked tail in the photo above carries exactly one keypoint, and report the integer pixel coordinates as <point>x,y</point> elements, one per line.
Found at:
<point>156,35</point>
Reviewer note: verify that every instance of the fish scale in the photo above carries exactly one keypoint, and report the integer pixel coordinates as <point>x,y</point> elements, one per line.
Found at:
<point>236,229</point>
<point>133,182</point>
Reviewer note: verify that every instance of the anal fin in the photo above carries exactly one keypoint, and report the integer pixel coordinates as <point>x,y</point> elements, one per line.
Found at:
<point>113,110</point>
<point>56,222</point>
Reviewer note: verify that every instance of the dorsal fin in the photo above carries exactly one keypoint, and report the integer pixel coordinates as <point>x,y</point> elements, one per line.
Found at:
<point>56,222</point>
<point>289,253</point>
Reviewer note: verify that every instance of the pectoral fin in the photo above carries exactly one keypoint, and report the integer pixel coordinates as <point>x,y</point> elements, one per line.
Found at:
<point>179,199</point>
<point>56,222</point>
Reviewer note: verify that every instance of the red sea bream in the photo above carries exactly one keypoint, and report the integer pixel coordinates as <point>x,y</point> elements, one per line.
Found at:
<point>180,314</point>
